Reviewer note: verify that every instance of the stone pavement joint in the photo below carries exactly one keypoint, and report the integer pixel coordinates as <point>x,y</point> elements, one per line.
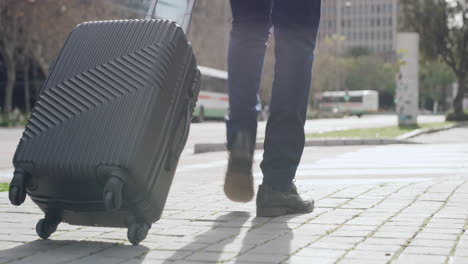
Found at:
<point>427,221</point>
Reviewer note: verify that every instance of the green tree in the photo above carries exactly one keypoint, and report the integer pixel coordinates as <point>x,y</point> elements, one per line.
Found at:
<point>13,31</point>
<point>33,31</point>
<point>359,51</point>
<point>443,29</point>
<point>359,69</point>
<point>435,78</point>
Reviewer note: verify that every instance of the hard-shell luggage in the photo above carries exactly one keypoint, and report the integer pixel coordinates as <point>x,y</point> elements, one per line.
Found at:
<point>104,138</point>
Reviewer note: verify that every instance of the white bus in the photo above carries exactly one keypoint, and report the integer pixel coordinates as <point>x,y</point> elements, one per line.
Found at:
<point>353,102</point>
<point>213,100</point>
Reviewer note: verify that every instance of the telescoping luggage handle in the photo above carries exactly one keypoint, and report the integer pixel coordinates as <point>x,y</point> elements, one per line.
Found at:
<point>187,15</point>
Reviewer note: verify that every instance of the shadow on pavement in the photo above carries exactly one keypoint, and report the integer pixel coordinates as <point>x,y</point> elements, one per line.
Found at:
<point>68,251</point>
<point>270,244</point>
<point>220,233</point>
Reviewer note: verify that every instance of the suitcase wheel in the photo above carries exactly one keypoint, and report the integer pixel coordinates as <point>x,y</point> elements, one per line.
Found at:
<point>112,195</point>
<point>137,233</point>
<point>45,228</point>
<point>17,191</point>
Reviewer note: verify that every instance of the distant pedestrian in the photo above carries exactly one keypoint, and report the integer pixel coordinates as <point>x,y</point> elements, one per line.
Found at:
<point>295,24</point>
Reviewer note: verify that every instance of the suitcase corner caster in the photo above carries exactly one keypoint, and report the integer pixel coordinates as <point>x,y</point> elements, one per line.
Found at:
<point>17,190</point>
<point>137,233</point>
<point>112,194</point>
<point>45,228</point>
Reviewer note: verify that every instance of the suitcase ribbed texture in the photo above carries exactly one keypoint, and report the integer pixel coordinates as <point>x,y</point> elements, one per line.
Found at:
<point>109,101</point>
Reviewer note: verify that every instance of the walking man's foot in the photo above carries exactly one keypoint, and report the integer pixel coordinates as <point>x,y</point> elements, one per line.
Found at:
<point>272,202</point>
<point>238,184</point>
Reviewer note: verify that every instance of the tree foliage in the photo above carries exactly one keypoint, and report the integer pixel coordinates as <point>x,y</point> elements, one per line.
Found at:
<point>435,78</point>
<point>359,69</point>
<point>443,29</point>
<point>33,31</point>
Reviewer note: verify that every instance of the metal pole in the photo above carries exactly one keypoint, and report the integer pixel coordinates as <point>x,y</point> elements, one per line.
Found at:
<point>152,9</point>
<point>188,16</point>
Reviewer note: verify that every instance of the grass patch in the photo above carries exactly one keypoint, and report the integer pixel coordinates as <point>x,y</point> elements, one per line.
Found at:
<point>4,187</point>
<point>379,132</point>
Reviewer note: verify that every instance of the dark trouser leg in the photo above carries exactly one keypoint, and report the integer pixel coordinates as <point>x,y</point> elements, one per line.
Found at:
<point>250,31</point>
<point>295,26</point>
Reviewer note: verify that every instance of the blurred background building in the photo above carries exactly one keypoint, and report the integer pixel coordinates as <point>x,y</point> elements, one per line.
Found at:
<point>363,23</point>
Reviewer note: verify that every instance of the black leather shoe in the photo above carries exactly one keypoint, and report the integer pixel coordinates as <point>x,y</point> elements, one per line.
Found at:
<point>238,184</point>
<point>272,202</point>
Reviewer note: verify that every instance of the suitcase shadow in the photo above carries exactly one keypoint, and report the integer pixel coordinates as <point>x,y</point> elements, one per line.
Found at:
<point>69,251</point>
<point>244,237</point>
<point>220,235</point>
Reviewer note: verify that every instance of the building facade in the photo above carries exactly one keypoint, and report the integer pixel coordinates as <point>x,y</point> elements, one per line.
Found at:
<point>361,23</point>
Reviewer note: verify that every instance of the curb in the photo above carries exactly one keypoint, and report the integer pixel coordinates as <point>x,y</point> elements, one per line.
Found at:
<point>422,131</point>
<point>216,147</point>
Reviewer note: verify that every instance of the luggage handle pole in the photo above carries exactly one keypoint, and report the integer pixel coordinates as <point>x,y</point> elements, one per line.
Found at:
<point>187,15</point>
<point>152,9</point>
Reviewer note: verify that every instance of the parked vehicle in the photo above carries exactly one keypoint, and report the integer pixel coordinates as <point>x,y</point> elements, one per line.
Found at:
<point>213,100</point>
<point>348,102</point>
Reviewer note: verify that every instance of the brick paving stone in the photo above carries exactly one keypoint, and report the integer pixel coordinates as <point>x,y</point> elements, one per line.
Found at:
<point>347,260</point>
<point>438,236</point>
<point>97,259</point>
<point>124,251</point>
<point>386,241</point>
<point>444,230</point>
<point>348,227</point>
<point>261,258</point>
<point>389,228</point>
<point>327,245</point>
<point>181,246</point>
<point>462,252</point>
<point>210,256</point>
<point>442,251</point>
<point>343,233</point>
<point>238,247</point>
<point>432,243</point>
<point>463,244</point>
<point>371,247</point>
<point>6,245</point>
<point>419,259</point>
<point>308,260</point>
<point>366,221</point>
<point>146,261</point>
<point>166,255</point>
<point>349,240</point>
<point>320,252</point>
<point>279,246</point>
<point>458,260</point>
<point>65,253</point>
<point>405,235</point>
<point>378,255</point>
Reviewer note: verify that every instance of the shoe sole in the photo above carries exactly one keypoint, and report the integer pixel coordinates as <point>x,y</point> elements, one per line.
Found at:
<point>279,211</point>
<point>238,184</point>
<point>238,187</point>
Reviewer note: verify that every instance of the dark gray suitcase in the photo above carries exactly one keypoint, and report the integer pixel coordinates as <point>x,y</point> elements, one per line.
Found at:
<point>104,139</point>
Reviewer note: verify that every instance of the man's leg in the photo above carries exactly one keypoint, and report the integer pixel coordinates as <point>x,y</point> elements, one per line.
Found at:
<point>295,27</point>
<point>250,31</point>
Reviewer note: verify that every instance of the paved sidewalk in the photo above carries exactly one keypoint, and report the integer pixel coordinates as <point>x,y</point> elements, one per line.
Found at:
<point>416,222</point>
<point>385,204</point>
